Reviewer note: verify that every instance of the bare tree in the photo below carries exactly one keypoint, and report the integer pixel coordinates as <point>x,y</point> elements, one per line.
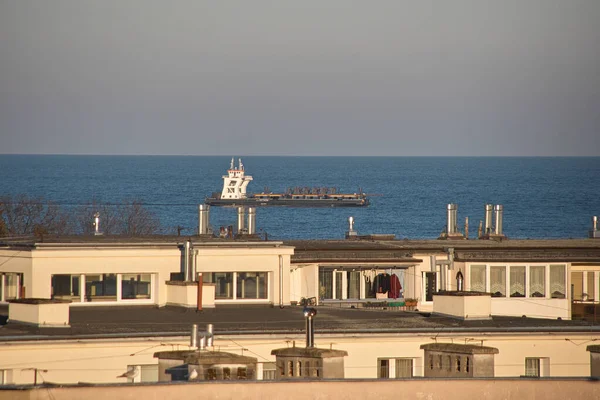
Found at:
<point>137,220</point>
<point>22,215</point>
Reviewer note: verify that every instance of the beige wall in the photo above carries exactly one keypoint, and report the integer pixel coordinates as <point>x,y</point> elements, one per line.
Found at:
<point>464,307</point>
<point>102,360</point>
<point>54,314</point>
<point>249,258</point>
<point>368,390</point>
<point>19,261</point>
<point>304,281</point>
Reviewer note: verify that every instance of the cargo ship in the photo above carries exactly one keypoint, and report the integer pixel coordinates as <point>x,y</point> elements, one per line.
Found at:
<point>236,182</point>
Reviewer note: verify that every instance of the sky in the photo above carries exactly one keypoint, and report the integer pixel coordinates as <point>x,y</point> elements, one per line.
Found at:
<point>310,77</point>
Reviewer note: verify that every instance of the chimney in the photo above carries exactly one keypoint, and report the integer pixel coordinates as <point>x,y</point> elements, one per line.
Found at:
<point>241,220</point>
<point>188,270</point>
<point>194,337</point>
<point>203,219</point>
<point>594,233</point>
<point>96,224</point>
<point>309,313</point>
<point>351,232</point>
<point>488,219</point>
<point>451,225</point>
<point>251,221</point>
<point>498,225</point>
<point>209,335</point>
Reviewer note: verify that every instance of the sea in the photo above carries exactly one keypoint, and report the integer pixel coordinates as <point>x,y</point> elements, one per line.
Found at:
<point>542,197</point>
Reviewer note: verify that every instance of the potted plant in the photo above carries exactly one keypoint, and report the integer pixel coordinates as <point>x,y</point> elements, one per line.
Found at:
<point>411,303</point>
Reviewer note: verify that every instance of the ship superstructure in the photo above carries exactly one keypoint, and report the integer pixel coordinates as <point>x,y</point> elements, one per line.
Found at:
<point>235,184</point>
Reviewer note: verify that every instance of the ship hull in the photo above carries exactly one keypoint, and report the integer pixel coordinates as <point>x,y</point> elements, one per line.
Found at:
<point>250,202</point>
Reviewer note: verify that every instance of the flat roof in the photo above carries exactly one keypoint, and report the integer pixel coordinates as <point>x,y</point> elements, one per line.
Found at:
<point>149,321</point>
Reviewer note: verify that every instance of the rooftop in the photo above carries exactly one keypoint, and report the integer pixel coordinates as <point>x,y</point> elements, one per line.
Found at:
<point>148,321</point>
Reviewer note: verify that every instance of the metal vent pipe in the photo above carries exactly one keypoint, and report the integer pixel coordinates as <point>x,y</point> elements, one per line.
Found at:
<point>594,223</point>
<point>309,313</point>
<point>97,223</point>
<point>186,260</point>
<point>203,219</point>
<point>452,211</point>
<point>209,336</point>
<point>251,220</point>
<point>489,208</point>
<point>241,218</point>
<point>194,337</point>
<point>498,226</point>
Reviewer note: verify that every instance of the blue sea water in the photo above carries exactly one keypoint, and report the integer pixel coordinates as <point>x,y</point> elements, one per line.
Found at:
<point>542,197</point>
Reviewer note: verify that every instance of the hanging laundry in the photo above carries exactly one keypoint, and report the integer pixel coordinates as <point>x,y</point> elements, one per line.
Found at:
<point>395,287</point>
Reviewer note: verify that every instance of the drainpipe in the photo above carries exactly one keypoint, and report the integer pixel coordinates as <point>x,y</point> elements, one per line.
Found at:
<point>199,298</point>
<point>280,281</point>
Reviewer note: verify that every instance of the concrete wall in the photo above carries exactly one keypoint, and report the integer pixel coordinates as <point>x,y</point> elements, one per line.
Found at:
<point>101,361</point>
<point>105,260</point>
<point>532,307</point>
<point>304,282</point>
<point>249,258</point>
<point>458,389</point>
<point>185,294</point>
<point>463,307</point>
<point>54,314</point>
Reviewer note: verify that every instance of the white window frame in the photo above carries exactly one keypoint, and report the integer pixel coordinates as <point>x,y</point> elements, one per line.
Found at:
<point>391,371</point>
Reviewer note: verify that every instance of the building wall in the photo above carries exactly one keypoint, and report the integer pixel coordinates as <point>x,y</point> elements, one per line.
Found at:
<point>18,261</point>
<point>101,361</point>
<point>249,259</point>
<point>458,389</point>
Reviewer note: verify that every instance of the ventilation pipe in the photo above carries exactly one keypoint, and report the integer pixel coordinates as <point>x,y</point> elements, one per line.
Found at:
<point>203,219</point>
<point>194,337</point>
<point>498,225</point>
<point>186,259</point>
<point>209,335</point>
<point>451,226</point>
<point>309,313</point>
<point>594,233</point>
<point>96,224</point>
<point>489,208</point>
<point>241,220</point>
<point>280,281</point>
<point>459,281</point>
<point>251,221</point>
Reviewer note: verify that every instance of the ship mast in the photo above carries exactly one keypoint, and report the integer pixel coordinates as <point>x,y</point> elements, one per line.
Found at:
<point>235,182</point>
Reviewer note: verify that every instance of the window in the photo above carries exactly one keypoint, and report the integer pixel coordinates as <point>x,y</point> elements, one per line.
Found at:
<point>517,281</point>
<point>210,374</point>
<point>242,373</point>
<point>557,282</point>
<point>498,281</point>
<point>339,276</point>
<point>532,367</point>
<point>404,367</point>
<point>577,285</point>
<point>467,364</point>
<point>478,278</point>
<point>223,284</point>
<point>537,281</point>
<point>226,373</point>
<point>65,287</point>
<point>5,376</point>
<point>299,368</point>
<point>290,368</point>
<point>325,284</point>
<point>147,373</point>
<point>384,368</point>
<point>135,286</point>
<point>395,367</point>
<point>457,363</point>
<point>269,370</point>
<point>590,286</point>
<point>12,285</point>
<point>101,287</point>
<point>251,285</point>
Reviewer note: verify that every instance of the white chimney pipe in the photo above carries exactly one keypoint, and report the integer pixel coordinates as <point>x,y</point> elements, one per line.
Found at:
<point>203,219</point>
<point>489,208</point>
<point>251,220</point>
<point>241,219</point>
<point>451,225</point>
<point>594,223</point>
<point>498,227</point>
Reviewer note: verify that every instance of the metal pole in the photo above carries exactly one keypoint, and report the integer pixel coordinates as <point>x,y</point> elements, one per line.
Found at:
<point>199,298</point>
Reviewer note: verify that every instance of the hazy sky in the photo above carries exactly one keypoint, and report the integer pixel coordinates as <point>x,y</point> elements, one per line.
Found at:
<point>505,77</point>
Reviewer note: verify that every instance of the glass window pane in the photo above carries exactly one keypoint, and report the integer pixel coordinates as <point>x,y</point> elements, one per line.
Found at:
<point>223,283</point>
<point>517,281</point>
<point>537,281</point>
<point>354,278</point>
<point>590,286</point>
<point>135,286</point>
<point>269,369</point>
<point>383,371</point>
<point>498,281</point>
<point>478,278</point>
<point>532,367</point>
<point>404,368</point>
<point>251,285</point>
<point>325,284</point>
<point>577,285</point>
<point>12,285</point>
<point>101,287</point>
<point>557,282</point>
<point>65,287</point>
